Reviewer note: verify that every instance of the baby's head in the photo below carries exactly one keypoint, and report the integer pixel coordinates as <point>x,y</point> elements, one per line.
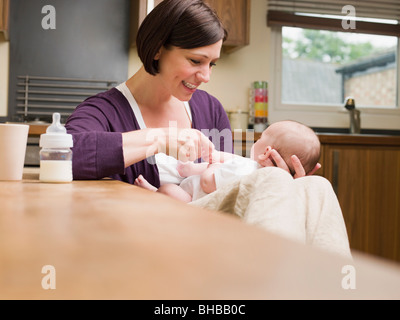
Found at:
<point>289,138</point>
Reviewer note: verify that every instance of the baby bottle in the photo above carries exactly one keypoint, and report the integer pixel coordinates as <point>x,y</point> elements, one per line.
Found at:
<point>56,155</point>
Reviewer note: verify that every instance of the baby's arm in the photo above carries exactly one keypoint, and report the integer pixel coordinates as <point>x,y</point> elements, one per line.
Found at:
<point>220,157</point>
<point>205,170</point>
<point>186,169</point>
<point>207,178</point>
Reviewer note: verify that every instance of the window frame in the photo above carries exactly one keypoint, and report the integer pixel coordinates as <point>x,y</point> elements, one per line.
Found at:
<point>327,115</point>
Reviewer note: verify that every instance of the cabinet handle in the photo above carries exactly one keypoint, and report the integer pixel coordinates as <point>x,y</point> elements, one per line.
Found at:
<point>335,171</point>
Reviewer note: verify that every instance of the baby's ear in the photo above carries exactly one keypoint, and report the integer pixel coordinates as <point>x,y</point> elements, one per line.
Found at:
<point>265,155</point>
<point>267,152</point>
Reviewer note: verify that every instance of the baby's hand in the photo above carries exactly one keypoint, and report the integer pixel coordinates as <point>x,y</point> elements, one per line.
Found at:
<point>184,168</point>
<point>220,157</point>
<point>187,169</point>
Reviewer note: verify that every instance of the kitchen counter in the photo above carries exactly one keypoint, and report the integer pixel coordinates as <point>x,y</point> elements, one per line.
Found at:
<point>243,141</point>
<point>110,240</point>
<point>359,139</point>
<point>37,129</point>
<point>341,138</point>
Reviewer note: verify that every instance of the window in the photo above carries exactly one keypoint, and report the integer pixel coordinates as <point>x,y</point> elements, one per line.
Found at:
<point>341,64</point>
<point>317,62</point>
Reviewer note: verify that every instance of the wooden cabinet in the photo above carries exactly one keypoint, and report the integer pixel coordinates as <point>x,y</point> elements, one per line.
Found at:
<point>365,174</point>
<point>139,10</point>
<point>4,13</point>
<point>235,15</point>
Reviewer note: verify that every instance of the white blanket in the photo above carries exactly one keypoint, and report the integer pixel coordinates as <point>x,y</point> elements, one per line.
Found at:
<point>304,209</point>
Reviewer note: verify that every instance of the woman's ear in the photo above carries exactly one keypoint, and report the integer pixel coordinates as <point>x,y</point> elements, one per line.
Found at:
<point>158,54</point>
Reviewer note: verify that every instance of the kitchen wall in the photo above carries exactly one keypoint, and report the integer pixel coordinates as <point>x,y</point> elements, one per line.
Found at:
<point>89,40</point>
<point>231,78</point>
<point>4,58</point>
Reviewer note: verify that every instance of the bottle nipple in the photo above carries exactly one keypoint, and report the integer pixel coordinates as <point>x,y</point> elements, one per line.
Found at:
<point>56,135</point>
<point>56,126</point>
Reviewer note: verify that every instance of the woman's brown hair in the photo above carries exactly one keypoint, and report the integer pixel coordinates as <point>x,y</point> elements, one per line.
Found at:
<point>186,24</point>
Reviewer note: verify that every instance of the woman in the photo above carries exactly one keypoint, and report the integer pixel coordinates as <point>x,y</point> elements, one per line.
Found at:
<point>126,131</point>
<point>178,43</point>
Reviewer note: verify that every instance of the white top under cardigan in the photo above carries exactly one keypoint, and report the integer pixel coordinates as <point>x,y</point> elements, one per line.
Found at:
<point>166,164</point>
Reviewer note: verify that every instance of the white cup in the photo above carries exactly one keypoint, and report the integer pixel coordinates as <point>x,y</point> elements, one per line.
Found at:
<point>239,120</point>
<point>13,140</point>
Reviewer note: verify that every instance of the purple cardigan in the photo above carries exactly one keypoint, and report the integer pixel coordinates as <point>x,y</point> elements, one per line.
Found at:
<point>97,123</point>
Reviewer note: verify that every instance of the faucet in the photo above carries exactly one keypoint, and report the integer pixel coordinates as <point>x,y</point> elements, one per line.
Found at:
<point>355,122</point>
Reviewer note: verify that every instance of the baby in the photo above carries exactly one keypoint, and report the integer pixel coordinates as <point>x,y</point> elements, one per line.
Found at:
<point>287,137</point>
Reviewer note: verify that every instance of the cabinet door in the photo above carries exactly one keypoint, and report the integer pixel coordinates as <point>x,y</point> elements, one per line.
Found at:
<point>235,15</point>
<point>4,11</point>
<point>367,183</point>
<point>139,11</point>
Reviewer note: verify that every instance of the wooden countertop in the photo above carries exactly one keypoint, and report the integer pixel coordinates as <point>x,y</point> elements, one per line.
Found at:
<point>359,139</point>
<point>338,138</point>
<point>37,129</point>
<point>110,240</point>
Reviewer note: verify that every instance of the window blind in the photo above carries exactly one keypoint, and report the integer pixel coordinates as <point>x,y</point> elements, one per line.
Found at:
<point>317,14</point>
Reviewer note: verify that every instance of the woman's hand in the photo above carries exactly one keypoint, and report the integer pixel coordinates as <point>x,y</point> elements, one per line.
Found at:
<point>298,167</point>
<point>182,144</point>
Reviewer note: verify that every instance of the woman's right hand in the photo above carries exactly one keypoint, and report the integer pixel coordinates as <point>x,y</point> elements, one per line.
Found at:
<point>184,144</point>
<point>188,144</point>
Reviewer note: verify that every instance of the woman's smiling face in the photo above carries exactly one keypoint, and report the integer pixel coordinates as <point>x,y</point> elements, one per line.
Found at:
<point>182,71</point>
